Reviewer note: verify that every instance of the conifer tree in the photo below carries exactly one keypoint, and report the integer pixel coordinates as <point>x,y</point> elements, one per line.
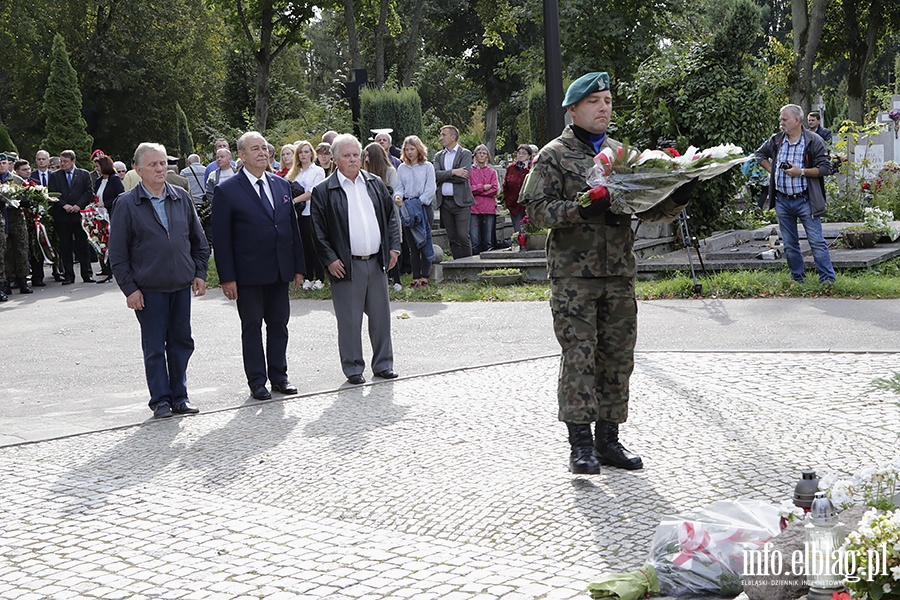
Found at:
<point>185,140</point>
<point>66,128</point>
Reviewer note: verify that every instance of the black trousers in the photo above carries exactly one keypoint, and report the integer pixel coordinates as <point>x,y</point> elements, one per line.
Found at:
<point>72,239</point>
<point>270,304</point>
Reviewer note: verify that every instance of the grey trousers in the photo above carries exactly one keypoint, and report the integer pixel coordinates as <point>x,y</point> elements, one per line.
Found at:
<point>366,292</point>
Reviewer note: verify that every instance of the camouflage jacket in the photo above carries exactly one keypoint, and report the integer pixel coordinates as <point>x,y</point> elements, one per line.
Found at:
<point>600,247</point>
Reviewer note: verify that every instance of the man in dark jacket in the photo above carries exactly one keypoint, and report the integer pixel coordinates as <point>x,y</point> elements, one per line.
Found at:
<point>158,254</point>
<point>358,238</point>
<point>76,191</point>
<point>258,254</point>
<point>815,125</point>
<point>797,161</point>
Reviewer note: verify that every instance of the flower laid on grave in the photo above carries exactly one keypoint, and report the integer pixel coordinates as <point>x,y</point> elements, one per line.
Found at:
<point>894,116</point>
<point>640,181</point>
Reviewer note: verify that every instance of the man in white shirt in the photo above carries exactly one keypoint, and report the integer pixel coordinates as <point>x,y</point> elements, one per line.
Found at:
<point>358,240</point>
<point>454,197</point>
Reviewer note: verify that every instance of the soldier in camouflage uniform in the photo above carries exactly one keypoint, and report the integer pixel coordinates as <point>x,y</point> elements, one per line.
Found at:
<point>15,234</point>
<point>591,265</point>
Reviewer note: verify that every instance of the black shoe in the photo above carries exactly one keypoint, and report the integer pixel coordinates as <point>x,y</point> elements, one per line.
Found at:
<point>582,460</point>
<point>357,379</point>
<point>386,374</point>
<point>68,281</point>
<point>88,280</point>
<point>260,393</point>
<point>38,283</point>
<point>285,387</point>
<point>4,287</point>
<point>162,411</point>
<point>106,279</point>
<point>185,408</point>
<point>3,296</point>
<point>58,278</point>
<point>611,452</point>
<point>24,288</point>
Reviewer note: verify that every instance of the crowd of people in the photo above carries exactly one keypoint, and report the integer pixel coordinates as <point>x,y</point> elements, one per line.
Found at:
<point>74,226</point>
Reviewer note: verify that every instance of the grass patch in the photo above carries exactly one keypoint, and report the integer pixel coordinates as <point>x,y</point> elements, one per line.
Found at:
<point>881,281</point>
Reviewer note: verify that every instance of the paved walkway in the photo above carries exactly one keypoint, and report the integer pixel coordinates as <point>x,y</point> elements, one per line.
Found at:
<point>448,484</point>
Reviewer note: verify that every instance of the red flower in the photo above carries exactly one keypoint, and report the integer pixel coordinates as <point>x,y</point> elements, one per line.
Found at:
<point>673,152</point>
<point>865,185</point>
<point>840,596</point>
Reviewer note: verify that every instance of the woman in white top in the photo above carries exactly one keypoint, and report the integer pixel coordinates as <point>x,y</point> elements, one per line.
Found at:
<point>307,175</point>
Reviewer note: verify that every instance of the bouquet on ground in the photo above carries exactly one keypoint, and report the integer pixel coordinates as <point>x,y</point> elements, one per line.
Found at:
<point>640,181</point>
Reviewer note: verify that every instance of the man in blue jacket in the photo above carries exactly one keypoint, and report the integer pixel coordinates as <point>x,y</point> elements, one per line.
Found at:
<point>258,254</point>
<point>158,254</point>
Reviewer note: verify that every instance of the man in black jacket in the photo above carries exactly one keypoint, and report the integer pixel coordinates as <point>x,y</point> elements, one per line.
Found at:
<point>76,191</point>
<point>158,254</point>
<point>358,239</point>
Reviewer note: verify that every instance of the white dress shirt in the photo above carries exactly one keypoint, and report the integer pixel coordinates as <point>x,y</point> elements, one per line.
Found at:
<point>253,179</point>
<point>365,235</point>
<point>449,157</point>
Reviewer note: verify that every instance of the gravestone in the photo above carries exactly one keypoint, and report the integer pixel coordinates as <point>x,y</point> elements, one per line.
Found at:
<point>882,147</point>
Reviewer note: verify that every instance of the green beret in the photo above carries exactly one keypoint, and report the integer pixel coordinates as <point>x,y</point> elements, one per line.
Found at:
<point>585,86</point>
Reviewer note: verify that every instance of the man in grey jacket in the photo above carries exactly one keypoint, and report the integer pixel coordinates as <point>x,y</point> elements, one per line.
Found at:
<point>797,160</point>
<point>454,196</point>
<point>158,254</point>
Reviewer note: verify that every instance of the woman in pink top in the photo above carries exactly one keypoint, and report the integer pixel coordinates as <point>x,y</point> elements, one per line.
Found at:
<point>483,180</point>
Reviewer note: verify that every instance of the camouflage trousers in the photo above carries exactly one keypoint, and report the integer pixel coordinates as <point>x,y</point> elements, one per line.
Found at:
<point>595,320</point>
<point>16,262</point>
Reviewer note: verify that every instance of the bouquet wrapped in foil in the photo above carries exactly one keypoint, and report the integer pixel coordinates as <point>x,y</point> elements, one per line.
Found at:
<point>638,182</point>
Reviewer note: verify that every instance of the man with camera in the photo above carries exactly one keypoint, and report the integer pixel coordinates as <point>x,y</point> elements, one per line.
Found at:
<point>797,160</point>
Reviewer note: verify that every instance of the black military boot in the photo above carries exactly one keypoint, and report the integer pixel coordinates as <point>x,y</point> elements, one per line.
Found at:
<point>611,452</point>
<point>24,288</point>
<point>582,460</point>
<point>3,296</point>
<point>5,287</point>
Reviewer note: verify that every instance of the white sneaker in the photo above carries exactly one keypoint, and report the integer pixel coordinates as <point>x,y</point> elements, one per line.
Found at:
<point>307,284</point>
<point>317,285</point>
<point>397,287</point>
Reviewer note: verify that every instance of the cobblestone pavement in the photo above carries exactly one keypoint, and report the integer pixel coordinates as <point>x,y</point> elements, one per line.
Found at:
<point>446,486</point>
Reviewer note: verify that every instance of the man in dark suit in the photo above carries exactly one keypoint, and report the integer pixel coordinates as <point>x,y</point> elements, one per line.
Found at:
<point>454,197</point>
<point>358,238</point>
<point>75,192</point>
<point>258,253</point>
<point>41,174</point>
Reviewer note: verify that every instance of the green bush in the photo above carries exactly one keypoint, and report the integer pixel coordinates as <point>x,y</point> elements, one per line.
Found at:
<point>66,128</point>
<point>400,110</point>
<point>537,115</point>
<point>6,143</point>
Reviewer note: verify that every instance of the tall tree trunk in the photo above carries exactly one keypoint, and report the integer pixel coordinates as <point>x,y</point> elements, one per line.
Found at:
<point>861,47</point>
<point>490,128</point>
<point>808,22</point>
<point>380,34</point>
<point>352,39</point>
<point>413,46</point>
<point>261,113</point>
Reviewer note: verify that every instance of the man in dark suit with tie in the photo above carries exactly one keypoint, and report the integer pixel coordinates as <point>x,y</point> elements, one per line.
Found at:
<point>454,197</point>
<point>258,253</point>
<point>75,192</point>
<point>358,239</point>
<point>41,175</point>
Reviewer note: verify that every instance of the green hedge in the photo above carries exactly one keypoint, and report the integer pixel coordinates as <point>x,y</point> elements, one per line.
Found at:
<point>400,110</point>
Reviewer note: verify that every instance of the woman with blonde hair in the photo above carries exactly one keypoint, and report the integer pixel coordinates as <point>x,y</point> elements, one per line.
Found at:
<point>414,194</point>
<point>304,176</point>
<point>287,160</point>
